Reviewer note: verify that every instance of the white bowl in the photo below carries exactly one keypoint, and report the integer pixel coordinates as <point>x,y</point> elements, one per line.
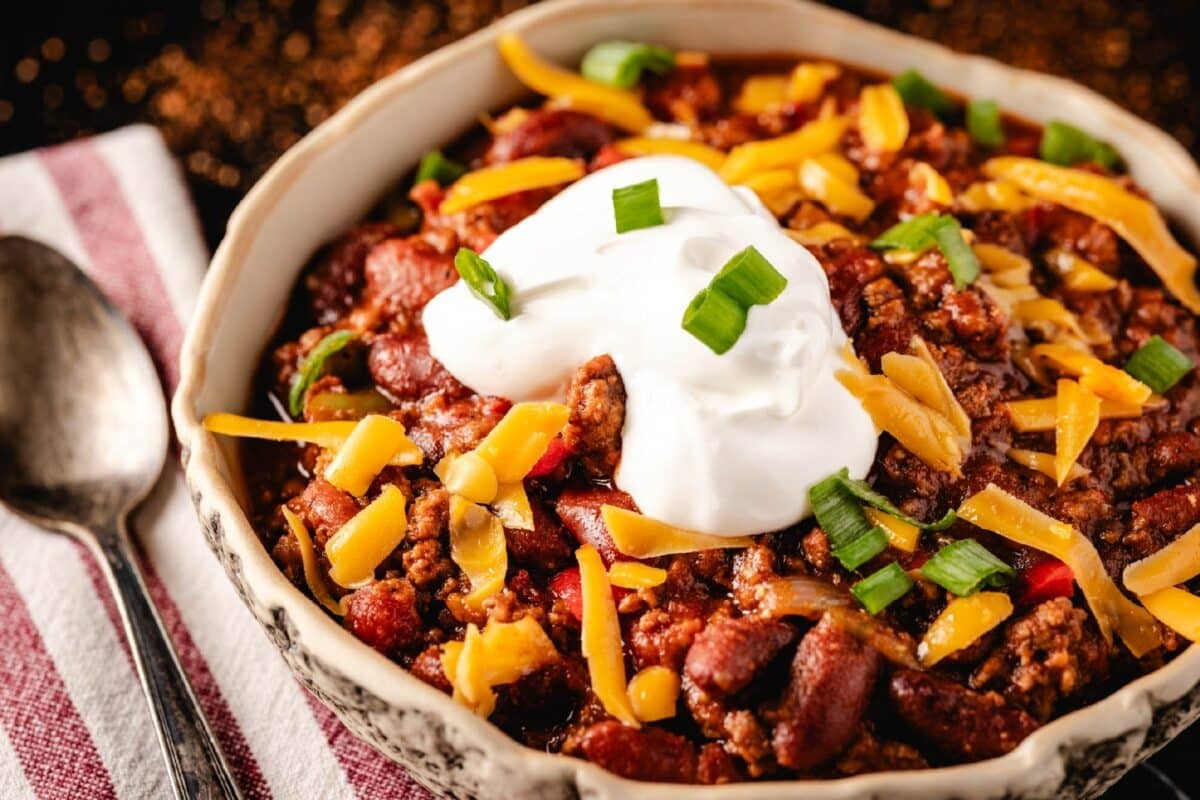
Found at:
<point>331,178</point>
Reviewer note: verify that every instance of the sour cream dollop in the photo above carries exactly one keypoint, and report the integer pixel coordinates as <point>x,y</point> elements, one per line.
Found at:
<point>722,444</point>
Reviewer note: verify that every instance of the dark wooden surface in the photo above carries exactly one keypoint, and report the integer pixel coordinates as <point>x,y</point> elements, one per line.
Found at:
<point>232,83</point>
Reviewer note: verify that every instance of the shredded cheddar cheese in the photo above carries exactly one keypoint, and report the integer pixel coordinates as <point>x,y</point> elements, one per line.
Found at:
<point>882,118</point>
<point>710,157</point>
<point>635,575</point>
<point>1079,274</point>
<point>1077,414</point>
<point>822,233</point>
<point>370,447</point>
<point>312,570</point>
<point>601,635</point>
<point>501,180</point>
<point>762,93</point>
<point>1134,218</point>
<point>361,545</point>
<point>816,137</point>
<point>478,547</point>
<point>1041,414</point>
<point>1174,564</point>
<point>329,435</point>
<point>995,510</point>
<point>807,81</point>
<point>1179,610</point>
<point>511,505</point>
<point>469,476</point>
<point>994,196</point>
<point>1105,380</point>
<point>654,693</point>
<point>961,624</point>
<point>618,106</point>
<point>932,184</point>
<point>832,181</point>
<point>502,653</point>
<point>638,536</point>
<point>900,534</point>
<point>1044,463</point>
<point>521,438</point>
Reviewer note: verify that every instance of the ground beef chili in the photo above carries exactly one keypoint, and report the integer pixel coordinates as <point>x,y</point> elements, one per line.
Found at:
<point>761,697</point>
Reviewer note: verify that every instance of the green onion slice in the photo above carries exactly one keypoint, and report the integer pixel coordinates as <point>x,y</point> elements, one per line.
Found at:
<point>637,206</point>
<point>1066,145</point>
<point>435,166</point>
<point>1158,365</point>
<point>750,279</point>
<point>853,539</point>
<point>960,258</point>
<point>483,281</point>
<point>915,233</point>
<point>983,123</point>
<point>916,90</point>
<point>964,567</point>
<point>716,319</point>
<point>881,588</point>
<point>311,368</point>
<point>863,491</point>
<point>621,64</point>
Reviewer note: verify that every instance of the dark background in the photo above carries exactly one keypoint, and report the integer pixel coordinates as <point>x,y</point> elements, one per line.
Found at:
<point>233,83</point>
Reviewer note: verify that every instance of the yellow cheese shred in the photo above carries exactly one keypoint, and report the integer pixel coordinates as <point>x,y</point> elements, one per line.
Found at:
<point>761,93</point>
<point>312,570</point>
<point>900,534</point>
<point>1134,218</point>
<point>932,184</point>
<point>961,624</point>
<point>710,157</point>
<point>1044,463</point>
<point>1029,416</point>
<point>638,536</point>
<point>501,180</point>
<point>654,693</point>
<point>361,545</point>
<point>822,233</point>
<point>1104,379</point>
<point>635,575</point>
<point>330,435</point>
<point>816,137</point>
<point>370,447</point>
<point>512,507</point>
<point>1179,610</point>
<point>621,107</point>
<point>1078,274</point>
<point>994,196</point>
<point>882,119</point>
<point>502,653</point>
<point>601,638</point>
<point>478,547</point>
<point>1077,414</point>
<point>807,81</point>
<point>995,510</point>
<point>521,438</point>
<point>825,179</point>
<point>468,475</point>
<point>1174,564</point>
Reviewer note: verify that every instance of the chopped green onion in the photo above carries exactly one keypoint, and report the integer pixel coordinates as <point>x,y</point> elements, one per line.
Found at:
<point>483,281</point>
<point>310,369</point>
<point>916,90</point>
<point>960,258</point>
<point>964,567</point>
<point>983,123</point>
<point>716,319</point>
<point>637,206</point>
<point>1158,365</point>
<point>435,166</point>
<point>1066,145</point>
<point>621,64</point>
<point>852,538</point>
<point>863,491</point>
<point>915,233</point>
<point>881,588</point>
<point>750,279</point>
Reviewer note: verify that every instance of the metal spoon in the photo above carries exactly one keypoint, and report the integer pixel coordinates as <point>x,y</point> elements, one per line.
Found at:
<point>83,435</point>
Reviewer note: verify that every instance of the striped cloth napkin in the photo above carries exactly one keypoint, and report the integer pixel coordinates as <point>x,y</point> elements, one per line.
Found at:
<point>73,721</point>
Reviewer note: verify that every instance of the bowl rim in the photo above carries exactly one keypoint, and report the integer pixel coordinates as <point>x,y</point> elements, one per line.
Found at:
<point>1124,711</point>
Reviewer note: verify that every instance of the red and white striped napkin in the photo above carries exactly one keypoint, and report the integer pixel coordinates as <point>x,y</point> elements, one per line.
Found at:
<point>73,721</point>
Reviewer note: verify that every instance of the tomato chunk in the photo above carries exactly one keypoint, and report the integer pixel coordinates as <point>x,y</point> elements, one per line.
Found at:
<point>551,460</point>
<point>1046,580</point>
<point>566,586</point>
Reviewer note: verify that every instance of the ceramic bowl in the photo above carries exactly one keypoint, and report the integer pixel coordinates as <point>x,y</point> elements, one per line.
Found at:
<point>331,178</point>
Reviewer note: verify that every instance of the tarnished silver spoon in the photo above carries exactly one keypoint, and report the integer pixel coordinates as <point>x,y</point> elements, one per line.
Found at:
<point>83,435</point>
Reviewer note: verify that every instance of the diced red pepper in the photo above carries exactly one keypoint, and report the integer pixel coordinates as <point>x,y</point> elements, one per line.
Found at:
<point>1044,581</point>
<point>568,587</point>
<point>551,460</point>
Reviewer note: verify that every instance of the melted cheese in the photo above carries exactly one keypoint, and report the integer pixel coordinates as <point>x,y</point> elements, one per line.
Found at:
<point>995,510</point>
<point>1044,463</point>
<point>601,637</point>
<point>501,180</point>
<point>654,693</point>
<point>822,233</point>
<point>710,157</point>
<point>478,547</point>
<point>329,435</point>
<point>521,438</point>
<point>312,570</point>
<point>807,81</point>
<point>882,119</point>
<point>1177,609</point>
<point>900,534</point>
<point>1105,380</point>
<point>361,545</point>
<point>761,93</point>
<point>638,536</point>
<point>370,447</point>
<point>1077,274</point>
<point>932,184</point>
<point>824,179</point>
<point>816,137</point>
<point>1041,414</point>
<point>1077,415</point>
<point>635,575</point>
<point>961,624</point>
<point>1174,564</point>
<point>512,507</point>
<point>469,476</point>
<point>502,653</point>
<point>994,196</point>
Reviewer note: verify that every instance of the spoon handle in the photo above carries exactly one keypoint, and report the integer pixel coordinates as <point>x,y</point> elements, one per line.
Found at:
<point>194,760</point>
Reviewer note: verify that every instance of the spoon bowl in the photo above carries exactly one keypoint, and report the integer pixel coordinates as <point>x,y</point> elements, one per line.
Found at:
<point>83,436</point>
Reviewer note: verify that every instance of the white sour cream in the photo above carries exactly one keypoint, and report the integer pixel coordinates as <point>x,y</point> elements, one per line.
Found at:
<point>727,444</point>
